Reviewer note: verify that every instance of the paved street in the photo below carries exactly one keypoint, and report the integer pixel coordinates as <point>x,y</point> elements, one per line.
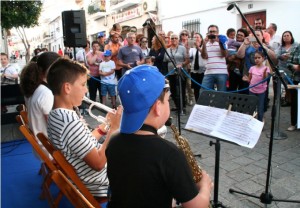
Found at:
<point>241,168</point>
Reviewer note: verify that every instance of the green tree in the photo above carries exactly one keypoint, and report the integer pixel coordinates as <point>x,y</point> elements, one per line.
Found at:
<point>20,15</point>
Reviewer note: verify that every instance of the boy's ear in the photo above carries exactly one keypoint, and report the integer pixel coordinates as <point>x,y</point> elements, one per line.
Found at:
<point>156,107</point>
<point>66,88</point>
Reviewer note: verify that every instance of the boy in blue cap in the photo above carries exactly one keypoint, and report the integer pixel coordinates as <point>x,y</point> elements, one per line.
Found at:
<point>107,72</point>
<point>143,169</point>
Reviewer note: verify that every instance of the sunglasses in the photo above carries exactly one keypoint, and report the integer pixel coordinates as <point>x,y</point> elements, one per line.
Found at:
<point>174,38</point>
<point>212,31</point>
<point>184,34</point>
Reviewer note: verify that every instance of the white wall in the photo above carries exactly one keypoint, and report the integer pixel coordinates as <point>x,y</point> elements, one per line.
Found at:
<point>283,13</point>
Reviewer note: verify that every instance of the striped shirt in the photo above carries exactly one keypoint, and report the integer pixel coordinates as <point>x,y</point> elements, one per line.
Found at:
<point>216,63</point>
<point>72,137</point>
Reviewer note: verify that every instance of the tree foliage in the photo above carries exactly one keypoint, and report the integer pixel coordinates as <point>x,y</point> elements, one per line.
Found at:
<point>20,13</point>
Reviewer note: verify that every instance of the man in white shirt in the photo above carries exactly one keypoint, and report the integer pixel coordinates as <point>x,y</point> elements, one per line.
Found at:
<point>275,40</point>
<point>9,74</point>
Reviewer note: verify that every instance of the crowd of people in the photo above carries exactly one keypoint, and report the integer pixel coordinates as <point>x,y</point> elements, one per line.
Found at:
<point>134,165</point>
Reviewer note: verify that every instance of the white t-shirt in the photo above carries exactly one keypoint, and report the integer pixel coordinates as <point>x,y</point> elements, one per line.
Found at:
<point>216,63</point>
<point>70,135</point>
<point>39,105</point>
<point>10,70</point>
<point>107,66</point>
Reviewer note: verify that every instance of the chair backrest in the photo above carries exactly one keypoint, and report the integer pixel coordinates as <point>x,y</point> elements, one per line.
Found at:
<point>31,139</point>
<point>20,120</point>
<point>24,115</point>
<point>70,172</point>
<point>47,144</point>
<point>67,188</point>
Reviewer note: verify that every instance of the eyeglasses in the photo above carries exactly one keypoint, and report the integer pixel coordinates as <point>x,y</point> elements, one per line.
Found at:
<point>240,34</point>
<point>144,41</point>
<point>212,31</point>
<point>174,38</point>
<point>184,34</point>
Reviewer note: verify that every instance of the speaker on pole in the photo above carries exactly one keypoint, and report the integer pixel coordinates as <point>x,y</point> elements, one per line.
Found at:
<point>74,28</point>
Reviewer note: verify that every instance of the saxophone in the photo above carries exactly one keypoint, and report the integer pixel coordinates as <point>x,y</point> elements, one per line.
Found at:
<point>183,144</point>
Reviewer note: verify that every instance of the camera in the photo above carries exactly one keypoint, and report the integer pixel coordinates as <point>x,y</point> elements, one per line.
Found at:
<point>211,36</point>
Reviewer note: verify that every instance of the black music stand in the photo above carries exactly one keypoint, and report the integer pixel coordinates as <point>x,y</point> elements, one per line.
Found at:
<point>241,103</point>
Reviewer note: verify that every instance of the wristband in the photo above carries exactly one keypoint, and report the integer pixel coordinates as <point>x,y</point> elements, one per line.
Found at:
<point>101,132</point>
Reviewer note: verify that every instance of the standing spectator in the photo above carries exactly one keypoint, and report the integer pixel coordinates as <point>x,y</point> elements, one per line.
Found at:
<point>130,55</point>
<point>60,52</point>
<point>107,73</point>
<point>179,57</point>
<point>257,73</point>
<point>94,58</point>
<point>114,46</point>
<point>101,37</point>
<point>184,41</point>
<point>294,66</point>
<point>197,64</point>
<point>259,25</point>
<point>158,52</point>
<point>144,46</point>
<point>288,44</point>
<point>247,50</point>
<point>81,54</point>
<point>235,65</point>
<point>274,39</point>
<point>214,50</point>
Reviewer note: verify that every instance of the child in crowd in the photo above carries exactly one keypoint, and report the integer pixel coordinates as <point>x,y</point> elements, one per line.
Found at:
<point>67,80</point>
<point>107,73</point>
<point>149,60</point>
<point>257,73</point>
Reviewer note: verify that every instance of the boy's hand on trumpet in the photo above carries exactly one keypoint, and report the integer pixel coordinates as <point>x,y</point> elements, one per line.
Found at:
<point>114,119</point>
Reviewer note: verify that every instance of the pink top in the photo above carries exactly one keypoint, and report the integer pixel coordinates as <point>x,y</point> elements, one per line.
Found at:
<point>258,76</point>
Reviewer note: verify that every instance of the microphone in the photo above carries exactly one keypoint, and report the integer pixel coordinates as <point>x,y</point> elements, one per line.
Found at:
<point>147,22</point>
<point>230,7</point>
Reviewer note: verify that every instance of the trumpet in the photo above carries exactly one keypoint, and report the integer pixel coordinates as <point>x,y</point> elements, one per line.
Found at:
<point>99,106</point>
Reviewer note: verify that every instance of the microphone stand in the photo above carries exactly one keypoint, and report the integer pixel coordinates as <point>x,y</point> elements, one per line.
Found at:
<point>178,76</point>
<point>266,197</point>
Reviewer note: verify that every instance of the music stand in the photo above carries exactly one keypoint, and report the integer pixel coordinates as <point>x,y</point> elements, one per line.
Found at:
<point>241,103</point>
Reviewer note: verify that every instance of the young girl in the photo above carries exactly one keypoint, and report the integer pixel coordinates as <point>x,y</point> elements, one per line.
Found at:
<point>257,73</point>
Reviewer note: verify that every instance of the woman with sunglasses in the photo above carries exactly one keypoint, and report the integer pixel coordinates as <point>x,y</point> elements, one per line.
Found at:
<point>158,52</point>
<point>180,58</point>
<point>144,46</point>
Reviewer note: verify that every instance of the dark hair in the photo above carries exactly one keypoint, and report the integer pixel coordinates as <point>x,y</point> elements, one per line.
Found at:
<point>35,71</point>
<point>200,36</point>
<point>230,30</point>
<point>213,26</point>
<point>4,54</point>
<point>37,51</point>
<point>274,26</point>
<point>292,40</point>
<point>95,42</point>
<point>260,53</point>
<point>62,71</point>
<point>243,30</point>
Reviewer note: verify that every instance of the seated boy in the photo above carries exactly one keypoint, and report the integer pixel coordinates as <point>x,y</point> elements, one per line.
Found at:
<point>67,81</point>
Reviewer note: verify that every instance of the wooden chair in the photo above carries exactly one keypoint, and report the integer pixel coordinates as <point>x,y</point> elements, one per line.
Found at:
<point>20,120</point>
<point>68,170</point>
<point>47,162</point>
<point>24,115</point>
<point>68,189</point>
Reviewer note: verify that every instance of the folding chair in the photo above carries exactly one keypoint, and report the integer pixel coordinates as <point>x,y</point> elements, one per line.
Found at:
<point>47,162</point>
<point>74,196</point>
<point>68,170</point>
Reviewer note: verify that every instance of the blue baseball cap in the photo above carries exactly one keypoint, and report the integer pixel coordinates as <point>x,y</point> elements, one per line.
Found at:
<point>100,34</point>
<point>107,53</point>
<point>138,88</point>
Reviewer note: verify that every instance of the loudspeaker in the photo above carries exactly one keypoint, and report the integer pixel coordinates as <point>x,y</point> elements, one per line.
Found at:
<point>74,28</point>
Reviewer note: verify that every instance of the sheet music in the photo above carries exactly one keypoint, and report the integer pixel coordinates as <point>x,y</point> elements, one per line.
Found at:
<point>235,127</point>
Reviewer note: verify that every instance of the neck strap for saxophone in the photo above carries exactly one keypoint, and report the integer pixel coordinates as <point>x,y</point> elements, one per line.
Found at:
<point>146,127</point>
